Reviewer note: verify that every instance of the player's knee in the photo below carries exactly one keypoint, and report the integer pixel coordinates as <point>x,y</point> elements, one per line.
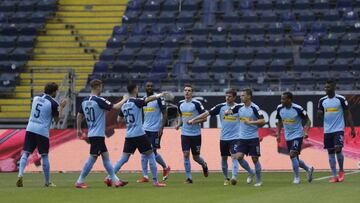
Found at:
<point>338,150</point>
<point>293,154</point>
<point>255,159</point>
<point>224,158</point>
<point>44,155</point>
<point>186,154</point>
<point>148,152</point>
<point>196,158</point>
<point>331,151</point>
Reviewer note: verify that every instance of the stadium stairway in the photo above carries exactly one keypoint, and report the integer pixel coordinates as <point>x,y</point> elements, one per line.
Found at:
<point>73,39</point>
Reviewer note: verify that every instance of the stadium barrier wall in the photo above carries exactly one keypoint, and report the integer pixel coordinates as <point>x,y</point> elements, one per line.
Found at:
<point>68,153</point>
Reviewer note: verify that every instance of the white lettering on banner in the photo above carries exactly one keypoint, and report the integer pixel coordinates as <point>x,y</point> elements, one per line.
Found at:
<point>270,121</point>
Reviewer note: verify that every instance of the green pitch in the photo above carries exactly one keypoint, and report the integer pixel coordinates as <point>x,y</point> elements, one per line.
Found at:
<point>277,188</point>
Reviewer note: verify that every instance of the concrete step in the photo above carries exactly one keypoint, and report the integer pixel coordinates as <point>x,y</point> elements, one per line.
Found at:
<point>92,2</point>
<point>79,69</point>
<point>14,114</point>
<point>63,56</point>
<point>72,63</point>
<point>100,14</point>
<point>14,101</point>
<point>13,108</point>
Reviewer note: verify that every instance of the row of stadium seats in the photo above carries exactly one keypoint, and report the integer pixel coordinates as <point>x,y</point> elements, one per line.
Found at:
<point>161,41</point>
<point>20,22</point>
<point>225,5</point>
<point>8,82</point>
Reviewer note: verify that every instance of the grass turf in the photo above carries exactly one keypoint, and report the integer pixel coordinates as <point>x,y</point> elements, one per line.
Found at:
<point>277,188</point>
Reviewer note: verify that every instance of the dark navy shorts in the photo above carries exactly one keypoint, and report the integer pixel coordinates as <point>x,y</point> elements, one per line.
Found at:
<point>333,140</point>
<point>141,143</point>
<point>192,143</point>
<point>295,144</point>
<point>97,145</point>
<point>250,147</point>
<point>33,141</point>
<point>154,139</point>
<point>228,147</point>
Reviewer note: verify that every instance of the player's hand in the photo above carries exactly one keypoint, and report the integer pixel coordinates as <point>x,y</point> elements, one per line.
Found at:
<point>125,97</point>
<point>177,127</point>
<point>278,138</point>
<point>63,103</point>
<point>161,131</point>
<point>248,122</point>
<point>353,133</point>
<point>79,134</point>
<point>228,112</point>
<point>306,135</point>
<point>190,122</point>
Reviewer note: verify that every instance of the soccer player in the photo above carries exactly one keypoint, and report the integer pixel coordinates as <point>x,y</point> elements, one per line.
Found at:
<point>155,117</point>
<point>135,138</point>
<point>93,110</point>
<point>333,108</point>
<point>230,133</point>
<point>188,109</point>
<point>44,109</point>
<point>251,119</point>
<point>292,116</point>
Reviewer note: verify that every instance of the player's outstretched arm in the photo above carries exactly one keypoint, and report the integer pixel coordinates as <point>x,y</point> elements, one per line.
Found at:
<point>279,126</point>
<point>79,119</point>
<point>155,97</point>
<point>118,105</point>
<point>350,121</point>
<point>260,122</point>
<point>199,119</point>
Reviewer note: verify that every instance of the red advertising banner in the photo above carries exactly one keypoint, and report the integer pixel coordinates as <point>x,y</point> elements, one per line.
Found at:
<point>68,153</point>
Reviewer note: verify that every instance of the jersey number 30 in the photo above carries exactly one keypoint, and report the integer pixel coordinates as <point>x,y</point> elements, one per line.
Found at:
<point>91,114</point>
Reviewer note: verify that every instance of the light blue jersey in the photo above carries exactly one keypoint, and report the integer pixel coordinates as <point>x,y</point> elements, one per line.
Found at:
<point>248,113</point>
<point>292,120</point>
<point>333,108</point>
<point>93,108</point>
<point>153,115</point>
<point>44,108</point>
<point>230,129</point>
<point>132,112</point>
<point>189,110</point>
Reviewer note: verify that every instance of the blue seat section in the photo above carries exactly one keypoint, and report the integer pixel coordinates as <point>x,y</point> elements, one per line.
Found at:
<point>217,43</point>
<point>20,22</point>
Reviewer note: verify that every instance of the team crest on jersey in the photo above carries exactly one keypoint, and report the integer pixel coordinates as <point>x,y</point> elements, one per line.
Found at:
<point>148,110</point>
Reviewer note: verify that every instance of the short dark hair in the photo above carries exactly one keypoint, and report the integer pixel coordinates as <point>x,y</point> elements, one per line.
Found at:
<point>188,85</point>
<point>95,83</point>
<point>231,91</point>
<point>331,82</point>
<point>131,87</point>
<point>248,91</point>
<point>50,88</point>
<point>289,95</point>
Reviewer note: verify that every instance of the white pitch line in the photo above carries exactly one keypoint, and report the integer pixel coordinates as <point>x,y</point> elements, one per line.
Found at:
<point>326,177</point>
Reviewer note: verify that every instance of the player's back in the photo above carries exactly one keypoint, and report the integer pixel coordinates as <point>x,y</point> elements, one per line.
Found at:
<point>93,108</point>
<point>132,112</point>
<point>43,109</point>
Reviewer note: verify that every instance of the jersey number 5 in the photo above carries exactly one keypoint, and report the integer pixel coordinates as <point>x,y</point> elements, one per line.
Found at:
<point>129,116</point>
<point>37,109</point>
